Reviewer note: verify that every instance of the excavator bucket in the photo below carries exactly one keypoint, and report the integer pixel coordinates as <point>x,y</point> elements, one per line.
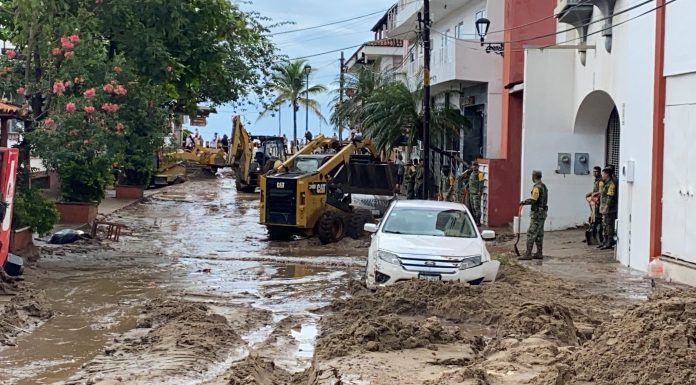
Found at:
<point>370,178</point>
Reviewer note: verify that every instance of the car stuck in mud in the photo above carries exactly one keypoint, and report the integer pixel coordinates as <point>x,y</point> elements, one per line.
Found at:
<point>434,241</point>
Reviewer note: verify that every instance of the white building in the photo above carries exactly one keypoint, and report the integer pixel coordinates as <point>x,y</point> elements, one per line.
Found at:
<point>601,96</point>
<point>463,75</point>
<point>386,53</point>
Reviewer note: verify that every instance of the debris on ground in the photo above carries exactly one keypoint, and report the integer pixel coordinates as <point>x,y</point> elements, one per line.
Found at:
<point>25,310</point>
<point>654,343</point>
<point>66,236</point>
<point>257,371</point>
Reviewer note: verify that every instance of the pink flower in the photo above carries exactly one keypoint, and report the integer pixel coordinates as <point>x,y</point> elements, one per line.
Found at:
<point>109,88</point>
<point>117,69</point>
<point>11,54</point>
<point>70,107</point>
<point>58,88</point>
<point>56,51</point>
<point>66,43</point>
<point>67,84</point>
<point>120,90</point>
<point>120,127</point>
<point>49,122</point>
<point>90,93</point>
<point>87,141</point>
<point>110,107</point>
<point>89,109</point>
<point>69,54</point>
<point>21,91</point>
<point>74,38</point>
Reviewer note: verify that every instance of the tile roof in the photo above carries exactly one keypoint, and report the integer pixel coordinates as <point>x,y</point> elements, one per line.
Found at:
<point>385,43</point>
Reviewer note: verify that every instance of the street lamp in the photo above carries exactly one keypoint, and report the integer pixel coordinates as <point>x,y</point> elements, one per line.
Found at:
<point>482,26</point>
<point>307,70</point>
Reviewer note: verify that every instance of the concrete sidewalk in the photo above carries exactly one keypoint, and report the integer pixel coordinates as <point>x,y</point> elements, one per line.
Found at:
<point>111,204</point>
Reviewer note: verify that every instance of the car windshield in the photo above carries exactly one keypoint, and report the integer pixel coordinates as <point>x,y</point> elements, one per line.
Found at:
<point>429,221</point>
<point>306,165</point>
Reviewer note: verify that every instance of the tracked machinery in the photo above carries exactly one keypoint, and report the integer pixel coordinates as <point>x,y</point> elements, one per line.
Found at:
<point>253,155</point>
<point>310,193</point>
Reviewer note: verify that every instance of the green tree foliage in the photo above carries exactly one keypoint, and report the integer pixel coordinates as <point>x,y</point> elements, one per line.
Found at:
<point>395,110</point>
<point>289,82</point>
<point>360,85</point>
<point>31,209</point>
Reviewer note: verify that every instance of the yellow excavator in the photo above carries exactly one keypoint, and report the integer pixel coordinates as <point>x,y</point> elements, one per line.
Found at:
<point>253,155</point>
<point>310,193</point>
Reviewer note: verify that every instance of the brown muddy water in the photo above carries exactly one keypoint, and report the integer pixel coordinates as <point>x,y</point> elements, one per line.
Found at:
<point>199,243</point>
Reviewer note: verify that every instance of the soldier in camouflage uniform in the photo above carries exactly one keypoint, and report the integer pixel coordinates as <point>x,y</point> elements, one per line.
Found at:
<point>539,202</point>
<point>609,207</point>
<point>419,180</point>
<point>475,185</point>
<point>411,179</point>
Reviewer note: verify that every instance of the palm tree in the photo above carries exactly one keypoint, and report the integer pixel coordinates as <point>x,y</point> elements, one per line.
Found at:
<point>358,86</point>
<point>394,110</point>
<point>290,84</point>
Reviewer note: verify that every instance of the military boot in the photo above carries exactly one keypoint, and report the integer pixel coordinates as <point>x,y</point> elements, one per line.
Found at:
<point>540,253</point>
<point>527,255</point>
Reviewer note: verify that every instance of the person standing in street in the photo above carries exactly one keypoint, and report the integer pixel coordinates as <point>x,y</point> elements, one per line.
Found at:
<point>400,171</point>
<point>419,179</point>
<point>539,202</point>
<point>308,136</point>
<point>609,207</point>
<point>475,184</point>
<point>214,142</point>
<point>411,179</point>
<point>225,141</point>
<point>594,197</point>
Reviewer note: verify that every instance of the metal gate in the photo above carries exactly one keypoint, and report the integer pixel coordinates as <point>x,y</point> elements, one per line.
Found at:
<point>613,139</point>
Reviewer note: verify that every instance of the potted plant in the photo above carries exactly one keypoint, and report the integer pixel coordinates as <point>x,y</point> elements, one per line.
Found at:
<point>32,213</point>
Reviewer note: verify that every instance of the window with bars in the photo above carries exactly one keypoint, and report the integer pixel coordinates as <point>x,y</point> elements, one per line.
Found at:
<point>614,139</point>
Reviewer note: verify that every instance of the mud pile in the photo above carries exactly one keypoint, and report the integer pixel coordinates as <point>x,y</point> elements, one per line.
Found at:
<point>521,304</point>
<point>172,339</point>
<point>25,310</point>
<point>654,343</point>
<point>256,371</point>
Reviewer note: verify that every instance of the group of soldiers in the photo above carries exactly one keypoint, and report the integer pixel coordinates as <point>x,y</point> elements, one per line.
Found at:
<point>604,207</point>
<point>413,179</point>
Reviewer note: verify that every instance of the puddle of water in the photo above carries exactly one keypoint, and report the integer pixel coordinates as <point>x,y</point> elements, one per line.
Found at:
<point>306,339</point>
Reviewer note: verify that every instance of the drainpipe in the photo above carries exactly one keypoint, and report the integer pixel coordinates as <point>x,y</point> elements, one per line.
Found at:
<point>658,147</point>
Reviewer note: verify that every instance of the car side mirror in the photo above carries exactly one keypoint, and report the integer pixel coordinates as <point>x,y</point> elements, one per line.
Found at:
<point>370,227</point>
<point>488,235</point>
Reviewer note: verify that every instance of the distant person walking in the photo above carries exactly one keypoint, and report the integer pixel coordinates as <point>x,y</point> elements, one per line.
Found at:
<point>400,171</point>
<point>214,142</point>
<point>308,136</point>
<point>225,141</point>
<point>475,183</point>
<point>539,202</point>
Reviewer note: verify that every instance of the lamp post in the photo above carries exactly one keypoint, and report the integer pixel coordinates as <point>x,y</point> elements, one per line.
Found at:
<point>482,26</point>
<point>307,70</point>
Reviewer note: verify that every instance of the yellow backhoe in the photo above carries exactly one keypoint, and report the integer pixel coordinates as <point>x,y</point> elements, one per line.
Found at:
<point>252,156</point>
<point>310,193</point>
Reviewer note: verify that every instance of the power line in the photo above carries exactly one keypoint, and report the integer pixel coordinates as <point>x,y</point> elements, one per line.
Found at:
<point>325,25</point>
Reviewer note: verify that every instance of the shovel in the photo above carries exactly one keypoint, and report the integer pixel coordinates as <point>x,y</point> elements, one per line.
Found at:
<point>519,230</point>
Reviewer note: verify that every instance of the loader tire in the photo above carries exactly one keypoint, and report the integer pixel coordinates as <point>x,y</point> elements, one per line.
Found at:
<point>356,223</point>
<point>330,228</point>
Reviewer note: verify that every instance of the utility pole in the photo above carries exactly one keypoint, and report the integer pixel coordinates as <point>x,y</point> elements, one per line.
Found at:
<point>340,97</point>
<point>426,99</point>
<point>280,120</point>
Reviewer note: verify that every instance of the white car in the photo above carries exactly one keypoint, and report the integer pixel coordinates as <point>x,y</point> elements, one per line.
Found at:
<point>428,240</point>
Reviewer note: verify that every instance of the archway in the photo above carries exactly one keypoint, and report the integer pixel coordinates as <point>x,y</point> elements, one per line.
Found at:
<point>598,119</point>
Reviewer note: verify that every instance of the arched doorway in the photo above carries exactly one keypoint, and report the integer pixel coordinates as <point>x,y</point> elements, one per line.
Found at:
<point>599,123</point>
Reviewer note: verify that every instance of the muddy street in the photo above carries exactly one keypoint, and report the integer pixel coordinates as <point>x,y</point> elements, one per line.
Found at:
<point>195,293</point>
<point>193,265</point>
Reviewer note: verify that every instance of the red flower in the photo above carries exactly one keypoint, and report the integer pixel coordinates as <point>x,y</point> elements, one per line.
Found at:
<point>56,51</point>
<point>90,93</point>
<point>117,69</point>
<point>89,109</point>
<point>120,90</point>
<point>120,127</point>
<point>70,107</point>
<point>11,54</point>
<point>109,88</point>
<point>110,107</point>
<point>49,122</point>
<point>69,54</point>
<point>21,91</point>
<point>74,38</point>
<point>67,84</point>
<point>66,43</point>
<point>58,88</point>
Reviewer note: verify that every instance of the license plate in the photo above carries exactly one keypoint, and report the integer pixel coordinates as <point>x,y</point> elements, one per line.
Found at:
<point>430,277</point>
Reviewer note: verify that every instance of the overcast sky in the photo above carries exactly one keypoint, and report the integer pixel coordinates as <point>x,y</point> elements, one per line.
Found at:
<point>306,13</point>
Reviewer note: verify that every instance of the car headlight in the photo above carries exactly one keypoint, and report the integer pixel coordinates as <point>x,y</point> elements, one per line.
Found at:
<point>470,262</point>
<point>388,257</point>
